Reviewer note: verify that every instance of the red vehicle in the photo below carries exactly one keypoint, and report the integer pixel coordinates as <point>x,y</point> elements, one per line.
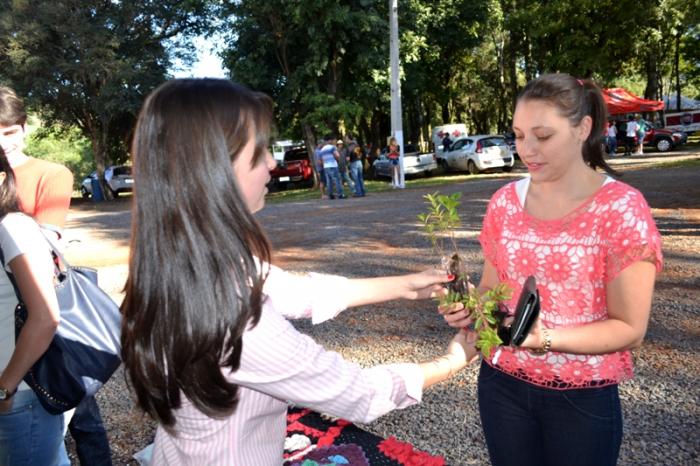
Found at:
<point>295,167</point>
<point>662,139</point>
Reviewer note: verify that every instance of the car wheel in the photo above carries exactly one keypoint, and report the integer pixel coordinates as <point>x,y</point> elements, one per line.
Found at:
<point>84,192</point>
<point>471,167</point>
<point>507,169</point>
<point>664,144</point>
<point>115,194</point>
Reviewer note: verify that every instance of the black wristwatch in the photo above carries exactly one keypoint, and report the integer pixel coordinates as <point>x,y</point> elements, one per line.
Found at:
<point>6,394</point>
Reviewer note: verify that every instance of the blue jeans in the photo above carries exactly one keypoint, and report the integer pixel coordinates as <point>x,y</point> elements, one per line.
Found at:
<point>29,435</point>
<point>333,176</point>
<point>527,425</point>
<point>356,172</point>
<point>346,179</point>
<point>612,145</point>
<point>87,429</point>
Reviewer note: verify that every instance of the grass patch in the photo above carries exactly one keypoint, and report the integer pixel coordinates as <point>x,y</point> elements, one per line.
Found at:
<point>378,186</point>
<point>691,163</point>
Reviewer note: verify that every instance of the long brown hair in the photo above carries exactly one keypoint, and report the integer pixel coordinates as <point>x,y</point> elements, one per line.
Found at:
<point>8,190</point>
<point>575,99</point>
<point>193,284</point>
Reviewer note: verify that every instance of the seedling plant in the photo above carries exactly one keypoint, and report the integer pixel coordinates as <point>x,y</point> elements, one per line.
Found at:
<point>487,311</point>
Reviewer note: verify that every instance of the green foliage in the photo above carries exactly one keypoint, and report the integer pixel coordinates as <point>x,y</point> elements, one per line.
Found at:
<point>89,64</point>
<point>67,147</point>
<point>440,220</point>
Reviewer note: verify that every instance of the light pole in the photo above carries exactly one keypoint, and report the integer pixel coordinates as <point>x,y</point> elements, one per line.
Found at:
<point>396,123</point>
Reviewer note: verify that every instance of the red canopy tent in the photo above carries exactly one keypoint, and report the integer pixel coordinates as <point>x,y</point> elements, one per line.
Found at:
<point>620,100</point>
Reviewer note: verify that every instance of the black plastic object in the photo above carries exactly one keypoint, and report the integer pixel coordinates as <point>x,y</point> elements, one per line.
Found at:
<point>525,312</point>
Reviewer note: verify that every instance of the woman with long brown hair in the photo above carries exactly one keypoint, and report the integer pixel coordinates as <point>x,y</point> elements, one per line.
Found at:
<point>28,433</point>
<point>206,345</point>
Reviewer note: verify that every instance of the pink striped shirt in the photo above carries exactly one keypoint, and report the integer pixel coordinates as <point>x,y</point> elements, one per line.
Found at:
<point>280,365</point>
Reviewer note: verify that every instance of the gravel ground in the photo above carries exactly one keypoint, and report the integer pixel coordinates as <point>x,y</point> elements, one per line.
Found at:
<point>379,235</point>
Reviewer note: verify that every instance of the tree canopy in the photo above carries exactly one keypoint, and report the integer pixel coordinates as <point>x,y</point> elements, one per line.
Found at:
<point>90,63</point>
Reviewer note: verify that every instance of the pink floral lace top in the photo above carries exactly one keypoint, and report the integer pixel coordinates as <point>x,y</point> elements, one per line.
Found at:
<point>572,258</point>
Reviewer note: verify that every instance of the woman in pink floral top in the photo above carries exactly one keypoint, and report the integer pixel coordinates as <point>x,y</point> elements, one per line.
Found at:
<point>593,247</point>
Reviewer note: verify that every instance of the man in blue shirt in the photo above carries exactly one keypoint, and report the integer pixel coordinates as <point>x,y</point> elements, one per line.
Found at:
<point>330,156</point>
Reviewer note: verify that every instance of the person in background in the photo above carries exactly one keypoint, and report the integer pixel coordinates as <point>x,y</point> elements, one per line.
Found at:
<point>446,142</point>
<point>205,343</point>
<point>630,135</point>
<point>44,191</point>
<point>592,245</point>
<point>355,158</point>
<point>330,156</point>
<point>394,156</point>
<point>29,435</point>
<point>611,143</point>
<point>343,159</point>
<point>641,133</point>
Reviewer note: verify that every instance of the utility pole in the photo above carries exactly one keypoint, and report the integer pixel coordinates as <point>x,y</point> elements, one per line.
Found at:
<point>396,123</point>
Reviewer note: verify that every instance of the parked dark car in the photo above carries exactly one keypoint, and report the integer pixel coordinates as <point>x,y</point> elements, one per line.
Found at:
<point>295,167</point>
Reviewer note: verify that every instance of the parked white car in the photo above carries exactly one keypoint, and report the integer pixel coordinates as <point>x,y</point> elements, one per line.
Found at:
<point>414,163</point>
<point>118,179</point>
<point>478,153</point>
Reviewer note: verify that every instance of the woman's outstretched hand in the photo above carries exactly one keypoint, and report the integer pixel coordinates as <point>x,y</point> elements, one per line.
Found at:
<point>427,284</point>
<point>462,347</point>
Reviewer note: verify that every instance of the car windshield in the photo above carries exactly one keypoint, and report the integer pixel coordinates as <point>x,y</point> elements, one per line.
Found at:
<point>122,171</point>
<point>295,155</point>
<point>491,142</point>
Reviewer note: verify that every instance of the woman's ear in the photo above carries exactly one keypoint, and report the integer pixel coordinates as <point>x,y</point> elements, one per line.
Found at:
<point>584,128</point>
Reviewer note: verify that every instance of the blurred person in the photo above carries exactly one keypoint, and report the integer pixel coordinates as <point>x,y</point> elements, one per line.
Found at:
<point>611,140</point>
<point>329,157</point>
<point>28,433</point>
<point>630,135</point>
<point>355,158</point>
<point>208,351</point>
<point>592,245</point>
<point>44,191</point>
<point>394,156</point>
<point>343,161</point>
<point>640,134</point>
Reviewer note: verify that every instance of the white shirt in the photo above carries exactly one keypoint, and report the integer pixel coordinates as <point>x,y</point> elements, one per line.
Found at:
<point>19,234</point>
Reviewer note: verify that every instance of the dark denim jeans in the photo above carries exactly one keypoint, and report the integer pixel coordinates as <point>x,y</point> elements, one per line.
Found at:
<point>527,425</point>
<point>87,429</point>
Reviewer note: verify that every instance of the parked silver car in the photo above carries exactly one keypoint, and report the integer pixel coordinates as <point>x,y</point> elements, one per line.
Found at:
<point>414,163</point>
<point>118,179</point>
<point>478,153</point>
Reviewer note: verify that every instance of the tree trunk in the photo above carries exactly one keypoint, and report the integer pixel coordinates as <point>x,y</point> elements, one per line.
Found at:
<point>97,138</point>
<point>310,140</point>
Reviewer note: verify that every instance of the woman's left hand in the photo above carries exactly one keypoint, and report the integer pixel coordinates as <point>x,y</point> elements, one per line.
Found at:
<point>534,336</point>
<point>5,405</point>
<point>427,284</point>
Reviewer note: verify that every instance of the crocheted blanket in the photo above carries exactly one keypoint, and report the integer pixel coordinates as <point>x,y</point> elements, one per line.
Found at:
<point>314,439</point>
